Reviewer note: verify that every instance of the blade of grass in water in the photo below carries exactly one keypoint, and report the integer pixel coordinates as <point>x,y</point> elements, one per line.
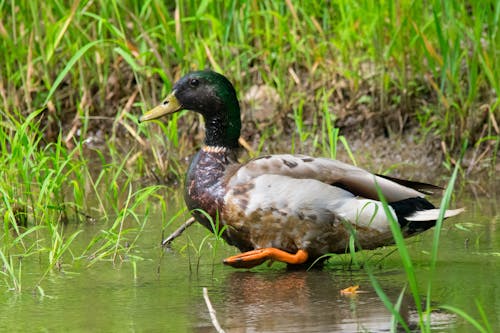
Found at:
<point>445,202</point>
<point>425,325</point>
<point>405,256</point>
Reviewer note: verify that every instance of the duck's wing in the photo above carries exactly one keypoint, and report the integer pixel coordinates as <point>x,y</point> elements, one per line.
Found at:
<point>291,207</point>
<point>419,186</point>
<point>348,177</point>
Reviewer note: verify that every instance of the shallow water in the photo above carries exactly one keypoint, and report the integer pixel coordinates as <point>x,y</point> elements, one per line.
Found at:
<point>163,292</point>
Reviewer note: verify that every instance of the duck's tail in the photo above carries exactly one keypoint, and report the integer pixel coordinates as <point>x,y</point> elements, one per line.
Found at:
<point>417,214</point>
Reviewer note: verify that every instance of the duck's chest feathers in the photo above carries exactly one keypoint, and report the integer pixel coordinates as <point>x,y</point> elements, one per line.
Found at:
<point>204,186</point>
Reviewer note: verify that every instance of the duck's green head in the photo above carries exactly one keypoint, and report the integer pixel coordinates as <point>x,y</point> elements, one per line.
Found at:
<point>213,96</point>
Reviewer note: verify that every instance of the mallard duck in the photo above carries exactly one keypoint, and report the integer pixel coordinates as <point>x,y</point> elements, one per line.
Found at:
<point>288,208</point>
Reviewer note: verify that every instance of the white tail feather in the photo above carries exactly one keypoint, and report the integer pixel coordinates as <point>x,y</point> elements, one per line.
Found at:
<point>433,214</point>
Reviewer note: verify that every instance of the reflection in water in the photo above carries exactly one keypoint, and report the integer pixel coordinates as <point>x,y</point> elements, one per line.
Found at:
<point>299,302</point>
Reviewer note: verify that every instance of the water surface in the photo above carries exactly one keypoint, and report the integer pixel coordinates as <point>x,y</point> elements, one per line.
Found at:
<point>163,292</point>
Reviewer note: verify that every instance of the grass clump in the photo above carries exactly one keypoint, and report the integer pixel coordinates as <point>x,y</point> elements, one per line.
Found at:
<point>48,194</point>
<point>386,67</point>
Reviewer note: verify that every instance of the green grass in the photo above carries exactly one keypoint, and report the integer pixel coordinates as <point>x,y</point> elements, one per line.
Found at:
<point>434,65</point>
<point>48,190</point>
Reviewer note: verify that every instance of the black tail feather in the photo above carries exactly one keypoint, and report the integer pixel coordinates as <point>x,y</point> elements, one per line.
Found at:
<point>407,207</point>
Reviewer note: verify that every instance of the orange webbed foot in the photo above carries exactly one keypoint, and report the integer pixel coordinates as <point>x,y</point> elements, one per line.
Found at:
<point>256,257</point>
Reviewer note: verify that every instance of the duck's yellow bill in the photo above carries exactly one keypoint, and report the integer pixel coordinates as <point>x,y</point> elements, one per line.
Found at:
<point>168,106</point>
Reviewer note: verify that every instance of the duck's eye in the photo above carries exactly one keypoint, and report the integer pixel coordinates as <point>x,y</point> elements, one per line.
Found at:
<point>194,82</point>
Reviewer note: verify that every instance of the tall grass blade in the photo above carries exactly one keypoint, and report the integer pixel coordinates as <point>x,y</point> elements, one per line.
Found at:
<point>68,67</point>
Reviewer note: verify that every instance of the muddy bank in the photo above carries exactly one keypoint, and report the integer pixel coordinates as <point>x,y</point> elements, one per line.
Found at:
<point>382,137</point>
<point>382,128</point>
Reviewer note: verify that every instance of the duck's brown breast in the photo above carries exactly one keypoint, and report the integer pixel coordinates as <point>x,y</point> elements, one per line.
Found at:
<point>205,187</point>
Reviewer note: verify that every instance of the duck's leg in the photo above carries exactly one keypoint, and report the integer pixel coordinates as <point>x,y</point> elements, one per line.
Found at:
<point>256,257</point>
